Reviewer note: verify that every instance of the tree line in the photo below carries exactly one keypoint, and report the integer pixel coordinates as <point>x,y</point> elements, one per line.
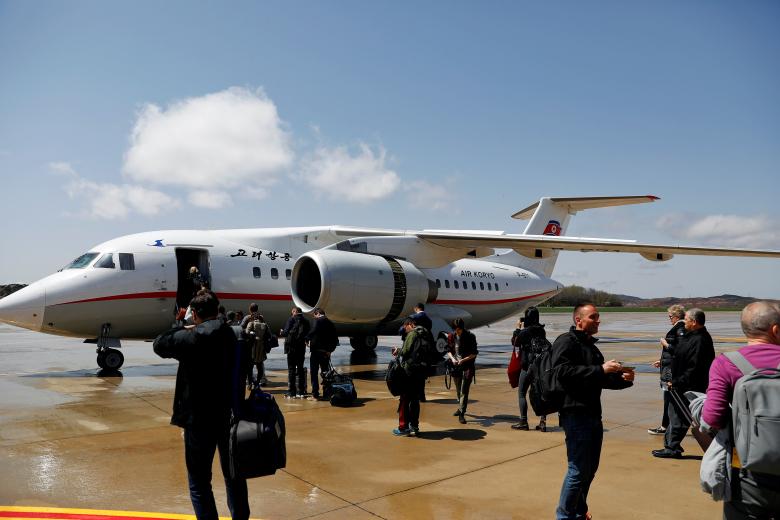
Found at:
<point>574,294</point>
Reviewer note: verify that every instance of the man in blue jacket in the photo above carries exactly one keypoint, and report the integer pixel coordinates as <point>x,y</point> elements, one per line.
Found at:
<point>206,387</point>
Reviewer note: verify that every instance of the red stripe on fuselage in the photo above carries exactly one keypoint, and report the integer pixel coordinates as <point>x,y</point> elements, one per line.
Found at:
<point>489,302</point>
<point>170,294</point>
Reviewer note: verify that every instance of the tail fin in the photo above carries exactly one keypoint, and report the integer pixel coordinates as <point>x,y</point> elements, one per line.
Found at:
<point>551,215</point>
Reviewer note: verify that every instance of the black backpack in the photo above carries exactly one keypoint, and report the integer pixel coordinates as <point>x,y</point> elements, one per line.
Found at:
<point>546,393</point>
<point>297,333</point>
<point>539,344</point>
<point>424,355</point>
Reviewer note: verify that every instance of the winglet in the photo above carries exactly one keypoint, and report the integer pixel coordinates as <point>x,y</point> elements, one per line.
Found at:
<point>575,204</point>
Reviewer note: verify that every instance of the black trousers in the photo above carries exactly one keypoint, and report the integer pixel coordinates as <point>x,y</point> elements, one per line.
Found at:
<point>753,496</point>
<point>296,374</point>
<point>319,361</point>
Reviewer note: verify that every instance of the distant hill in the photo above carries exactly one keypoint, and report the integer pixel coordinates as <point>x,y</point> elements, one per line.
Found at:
<point>573,294</point>
<point>5,290</point>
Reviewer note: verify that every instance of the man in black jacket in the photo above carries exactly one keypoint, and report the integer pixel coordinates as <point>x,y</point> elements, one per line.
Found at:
<point>669,343</point>
<point>294,333</point>
<point>690,371</point>
<point>206,387</point>
<point>323,340</point>
<point>583,373</point>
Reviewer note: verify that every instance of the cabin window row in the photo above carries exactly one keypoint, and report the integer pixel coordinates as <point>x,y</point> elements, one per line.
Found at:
<point>126,261</point>
<point>491,286</point>
<point>257,273</point>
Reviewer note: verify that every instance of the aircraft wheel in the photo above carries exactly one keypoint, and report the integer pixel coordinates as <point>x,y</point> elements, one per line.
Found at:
<point>113,359</point>
<point>101,360</point>
<point>363,343</point>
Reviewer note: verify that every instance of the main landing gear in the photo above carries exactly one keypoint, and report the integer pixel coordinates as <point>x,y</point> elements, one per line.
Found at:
<point>364,343</point>
<point>108,355</point>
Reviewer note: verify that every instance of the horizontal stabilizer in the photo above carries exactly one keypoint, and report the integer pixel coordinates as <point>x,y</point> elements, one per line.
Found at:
<point>575,204</point>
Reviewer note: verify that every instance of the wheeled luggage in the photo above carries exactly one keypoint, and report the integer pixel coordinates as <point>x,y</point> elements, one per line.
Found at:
<point>338,388</point>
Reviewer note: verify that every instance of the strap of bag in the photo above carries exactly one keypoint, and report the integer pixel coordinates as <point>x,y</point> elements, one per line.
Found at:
<point>744,366</point>
<point>235,400</point>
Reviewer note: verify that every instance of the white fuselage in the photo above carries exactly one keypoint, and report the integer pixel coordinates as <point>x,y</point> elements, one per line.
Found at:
<point>138,296</point>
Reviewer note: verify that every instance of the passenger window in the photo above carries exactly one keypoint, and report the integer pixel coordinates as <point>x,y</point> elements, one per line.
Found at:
<point>481,286</point>
<point>496,287</point>
<point>126,262</point>
<point>288,273</point>
<point>456,285</point>
<point>106,261</point>
<point>256,272</point>
<point>474,285</point>
<point>274,273</point>
<point>438,283</point>
<point>446,284</point>
<point>465,285</point>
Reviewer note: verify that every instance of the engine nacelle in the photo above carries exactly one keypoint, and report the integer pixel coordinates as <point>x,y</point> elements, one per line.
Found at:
<point>357,287</point>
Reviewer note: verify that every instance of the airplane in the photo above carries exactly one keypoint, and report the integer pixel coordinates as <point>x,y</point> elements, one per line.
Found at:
<point>366,280</point>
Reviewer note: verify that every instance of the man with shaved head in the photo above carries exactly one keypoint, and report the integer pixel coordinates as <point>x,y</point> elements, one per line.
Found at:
<point>754,495</point>
<point>582,373</point>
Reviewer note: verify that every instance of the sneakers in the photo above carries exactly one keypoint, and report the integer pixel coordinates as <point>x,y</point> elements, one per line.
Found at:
<point>399,432</point>
<point>522,425</point>
<point>667,454</point>
<point>657,431</point>
<point>414,430</point>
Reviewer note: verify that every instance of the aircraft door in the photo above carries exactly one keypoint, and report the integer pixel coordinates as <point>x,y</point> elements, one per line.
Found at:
<point>186,259</point>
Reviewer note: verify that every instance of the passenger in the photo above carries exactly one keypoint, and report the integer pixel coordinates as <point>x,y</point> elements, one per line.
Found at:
<point>221,314</point>
<point>462,355</point>
<point>253,312</point>
<point>690,369</point>
<point>754,495</point>
<point>532,340</point>
<point>421,318</point>
<point>196,281</point>
<point>409,401</point>
<point>259,337</point>
<point>668,344</point>
<point>231,318</point>
<point>240,317</point>
<point>294,334</point>
<point>322,341</point>
<point>202,403</point>
<point>583,373</point>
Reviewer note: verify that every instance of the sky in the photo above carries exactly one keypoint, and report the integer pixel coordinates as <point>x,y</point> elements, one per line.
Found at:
<point>117,118</point>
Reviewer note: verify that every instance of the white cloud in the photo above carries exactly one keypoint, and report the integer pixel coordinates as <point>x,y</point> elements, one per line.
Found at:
<point>724,230</point>
<point>113,201</point>
<point>211,199</point>
<point>229,139</point>
<point>434,197</point>
<point>362,177</point>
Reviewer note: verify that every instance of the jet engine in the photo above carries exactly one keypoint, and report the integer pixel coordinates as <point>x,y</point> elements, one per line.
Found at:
<point>358,287</point>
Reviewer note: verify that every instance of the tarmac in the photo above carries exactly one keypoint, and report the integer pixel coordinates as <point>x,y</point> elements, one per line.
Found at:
<point>76,443</point>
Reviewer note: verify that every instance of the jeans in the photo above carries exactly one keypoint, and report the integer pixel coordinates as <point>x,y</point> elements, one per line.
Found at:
<point>523,384</point>
<point>319,362</point>
<point>584,434</point>
<point>678,425</point>
<point>199,446</point>
<point>296,375</point>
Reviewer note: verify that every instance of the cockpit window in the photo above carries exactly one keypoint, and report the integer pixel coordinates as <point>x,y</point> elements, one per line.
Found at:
<point>82,261</point>
<point>106,261</point>
<point>126,261</point>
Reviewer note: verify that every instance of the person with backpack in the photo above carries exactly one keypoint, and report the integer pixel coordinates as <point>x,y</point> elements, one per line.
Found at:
<point>753,494</point>
<point>532,341</point>
<point>462,355</point>
<point>413,356</point>
<point>323,340</point>
<point>294,333</point>
<point>582,373</point>
<point>259,338</point>
<point>690,367</point>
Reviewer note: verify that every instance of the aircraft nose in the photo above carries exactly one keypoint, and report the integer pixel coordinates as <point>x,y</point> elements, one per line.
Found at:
<point>25,307</point>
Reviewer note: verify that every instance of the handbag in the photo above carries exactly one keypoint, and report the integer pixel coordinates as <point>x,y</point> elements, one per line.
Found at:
<point>514,368</point>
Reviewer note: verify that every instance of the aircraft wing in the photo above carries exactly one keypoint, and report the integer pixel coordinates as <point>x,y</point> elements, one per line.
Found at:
<point>525,243</point>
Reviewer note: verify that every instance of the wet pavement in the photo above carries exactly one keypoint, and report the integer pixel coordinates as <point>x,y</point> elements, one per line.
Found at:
<point>72,437</point>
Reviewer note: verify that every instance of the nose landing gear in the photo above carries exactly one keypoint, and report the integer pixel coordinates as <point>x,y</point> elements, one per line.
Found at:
<point>108,355</point>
